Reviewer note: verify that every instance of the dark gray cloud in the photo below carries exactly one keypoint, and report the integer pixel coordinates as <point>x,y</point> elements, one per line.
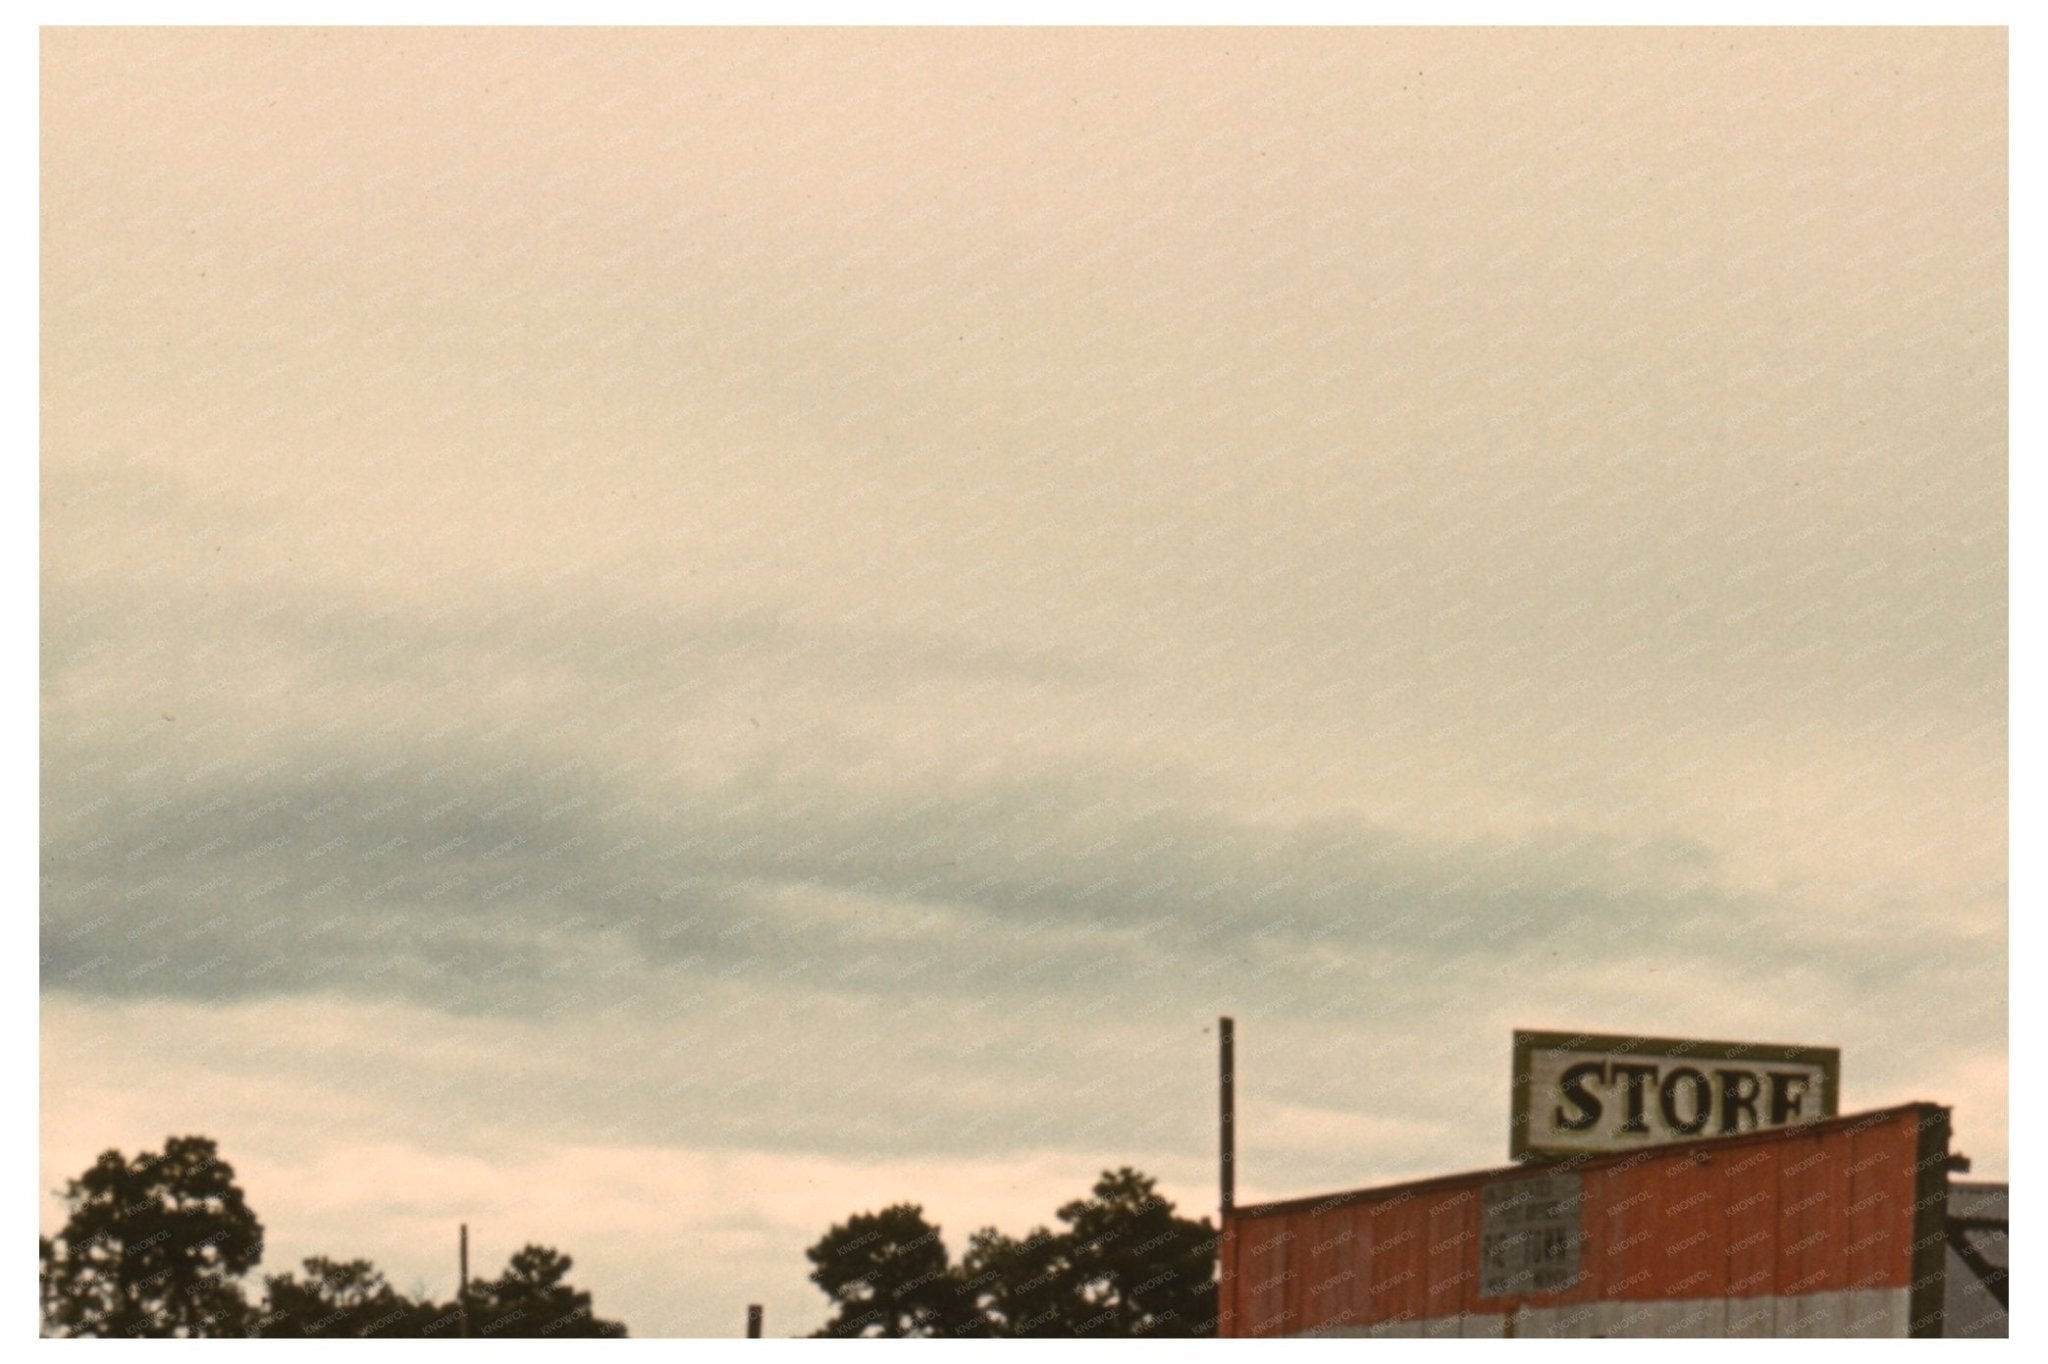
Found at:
<point>498,881</point>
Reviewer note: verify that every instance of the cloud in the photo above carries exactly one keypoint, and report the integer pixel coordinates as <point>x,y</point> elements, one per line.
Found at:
<point>477,879</point>
<point>525,849</point>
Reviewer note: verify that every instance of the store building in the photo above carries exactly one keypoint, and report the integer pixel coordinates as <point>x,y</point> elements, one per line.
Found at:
<point>1773,1217</point>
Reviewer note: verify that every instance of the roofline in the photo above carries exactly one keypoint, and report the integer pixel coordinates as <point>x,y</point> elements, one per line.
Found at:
<point>1602,1161</point>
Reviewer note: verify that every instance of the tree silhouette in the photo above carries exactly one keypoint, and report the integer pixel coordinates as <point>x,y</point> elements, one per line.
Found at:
<point>153,1247</point>
<point>1022,1287</point>
<point>531,1298</point>
<point>347,1300</point>
<point>888,1275</point>
<point>1125,1265</point>
<point>1139,1269</point>
<point>157,1246</point>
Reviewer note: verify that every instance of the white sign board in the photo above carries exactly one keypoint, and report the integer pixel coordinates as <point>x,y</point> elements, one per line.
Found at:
<point>1587,1092</point>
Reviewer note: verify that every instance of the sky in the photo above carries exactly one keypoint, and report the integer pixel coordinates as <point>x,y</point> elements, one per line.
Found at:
<point>650,639</point>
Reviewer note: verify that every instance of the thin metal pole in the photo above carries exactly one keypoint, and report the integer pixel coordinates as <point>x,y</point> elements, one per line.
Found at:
<point>753,1321</point>
<point>462,1283</point>
<point>1227,1038</point>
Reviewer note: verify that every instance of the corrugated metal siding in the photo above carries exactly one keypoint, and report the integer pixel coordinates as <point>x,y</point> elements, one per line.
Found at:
<point>1971,1308</point>
<point>1787,1232</point>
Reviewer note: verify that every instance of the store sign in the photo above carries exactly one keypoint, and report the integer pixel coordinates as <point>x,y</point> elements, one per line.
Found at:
<point>1587,1092</point>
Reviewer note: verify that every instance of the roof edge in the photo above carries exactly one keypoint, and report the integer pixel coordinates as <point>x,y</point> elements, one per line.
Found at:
<point>1603,1161</point>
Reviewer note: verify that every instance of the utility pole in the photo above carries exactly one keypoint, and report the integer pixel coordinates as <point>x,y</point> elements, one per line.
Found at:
<point>753,1321</point>
<point>462,1282</point>
<point>1226,1036</point>
<point>1226,1089</point>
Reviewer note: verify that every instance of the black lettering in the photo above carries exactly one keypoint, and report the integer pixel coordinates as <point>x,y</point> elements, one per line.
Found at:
<point>1634,1074</point>
<point>1702,1100</point>
<point>1739,1090</point>
<point>1572,1084</point>
<point>1785,1098</point>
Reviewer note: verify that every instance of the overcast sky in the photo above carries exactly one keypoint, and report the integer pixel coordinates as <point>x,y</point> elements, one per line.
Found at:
<point>653,638</point>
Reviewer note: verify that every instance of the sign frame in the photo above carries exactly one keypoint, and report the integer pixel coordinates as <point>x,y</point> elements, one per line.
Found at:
<point>1828,1060</point>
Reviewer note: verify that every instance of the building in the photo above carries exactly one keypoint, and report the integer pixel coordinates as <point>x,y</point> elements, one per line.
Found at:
<point>1840,1226</point>
<point>1974,1304</point>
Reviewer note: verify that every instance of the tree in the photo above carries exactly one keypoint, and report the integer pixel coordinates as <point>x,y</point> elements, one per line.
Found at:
<point>157,1246</point>
<point>1125,1265</point>
<point>1022,1288</point>
<point>346,1301</point>
<point>1138,1269</point>
<point>153,1247</point>
<point>531,1298</point>
<point>888,1275</point>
